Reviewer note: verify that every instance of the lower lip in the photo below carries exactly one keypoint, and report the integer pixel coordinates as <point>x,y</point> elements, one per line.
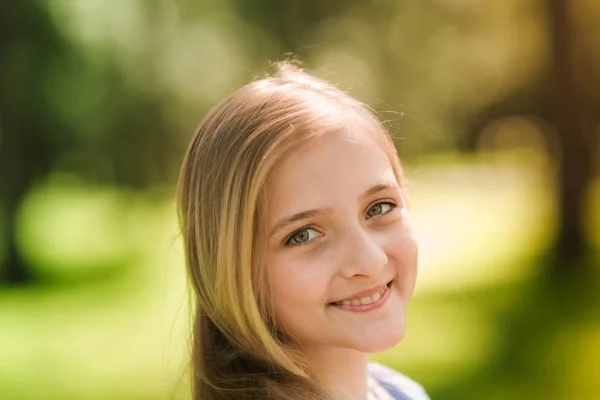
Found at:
<point>367,307</point>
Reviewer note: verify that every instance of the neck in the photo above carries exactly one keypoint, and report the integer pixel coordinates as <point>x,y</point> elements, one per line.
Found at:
<point>342,371</point>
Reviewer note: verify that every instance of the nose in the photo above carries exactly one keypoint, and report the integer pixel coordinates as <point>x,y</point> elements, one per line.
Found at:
<point>364,254</point>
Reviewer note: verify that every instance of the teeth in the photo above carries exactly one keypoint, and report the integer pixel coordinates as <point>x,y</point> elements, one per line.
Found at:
<point>365,300</point>
<point>376,296</point>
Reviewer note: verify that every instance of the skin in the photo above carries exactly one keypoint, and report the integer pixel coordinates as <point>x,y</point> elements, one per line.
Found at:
<point>360,237</point>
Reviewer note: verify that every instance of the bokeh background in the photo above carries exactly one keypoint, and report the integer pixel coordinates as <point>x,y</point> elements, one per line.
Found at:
<point>495,108</point>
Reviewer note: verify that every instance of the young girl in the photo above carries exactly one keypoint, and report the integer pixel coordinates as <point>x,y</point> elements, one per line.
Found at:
<point>299,246</point>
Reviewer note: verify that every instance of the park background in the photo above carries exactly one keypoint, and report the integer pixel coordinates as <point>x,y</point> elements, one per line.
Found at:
<point>495,107</point>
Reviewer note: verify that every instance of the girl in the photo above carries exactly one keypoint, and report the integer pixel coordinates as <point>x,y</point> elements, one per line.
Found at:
<point>298,243</point>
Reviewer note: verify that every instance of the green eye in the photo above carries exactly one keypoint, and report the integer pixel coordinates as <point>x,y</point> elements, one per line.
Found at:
<point>379,208</point>
<point>302,236</point>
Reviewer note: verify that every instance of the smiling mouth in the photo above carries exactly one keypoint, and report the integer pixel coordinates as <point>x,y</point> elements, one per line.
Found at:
<point>366,300</point>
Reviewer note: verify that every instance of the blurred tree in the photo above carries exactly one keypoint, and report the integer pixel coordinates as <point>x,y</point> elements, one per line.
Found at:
<point>289,21</point>
<point>576,115</point>
<point>30,135</point>
<point>62,111</point>
<point>567,100</point>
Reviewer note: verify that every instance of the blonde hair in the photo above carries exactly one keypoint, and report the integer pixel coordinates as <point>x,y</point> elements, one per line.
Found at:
<point>238,352</point>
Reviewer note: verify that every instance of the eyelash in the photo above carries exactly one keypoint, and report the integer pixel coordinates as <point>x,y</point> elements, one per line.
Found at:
<point>288,240</point>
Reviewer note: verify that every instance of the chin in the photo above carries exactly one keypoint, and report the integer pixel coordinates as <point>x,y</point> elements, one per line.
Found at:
<point>383,340</point>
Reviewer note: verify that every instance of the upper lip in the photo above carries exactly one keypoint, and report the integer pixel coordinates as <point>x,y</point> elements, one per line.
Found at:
<point>364,293</point>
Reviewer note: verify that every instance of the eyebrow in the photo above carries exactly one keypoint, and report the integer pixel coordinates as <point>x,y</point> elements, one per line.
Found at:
<point>300,216</point>
<point>328,210</point>
<point>379,188</point>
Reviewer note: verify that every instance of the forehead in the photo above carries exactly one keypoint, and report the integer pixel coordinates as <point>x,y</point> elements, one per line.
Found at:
<point>332,168</point>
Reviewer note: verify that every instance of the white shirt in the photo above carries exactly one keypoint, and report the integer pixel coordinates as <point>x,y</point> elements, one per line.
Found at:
<point>384,383</point>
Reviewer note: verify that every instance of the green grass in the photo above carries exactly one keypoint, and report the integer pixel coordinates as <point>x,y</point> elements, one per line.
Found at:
<point>110,321</point>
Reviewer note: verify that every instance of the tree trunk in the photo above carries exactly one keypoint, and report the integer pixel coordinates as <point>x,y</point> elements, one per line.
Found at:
<point>15,270</point>
<point>575,123</point>
<point>28,44</point>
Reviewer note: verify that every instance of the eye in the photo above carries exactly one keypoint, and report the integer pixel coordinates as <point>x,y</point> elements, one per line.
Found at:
<point>379,209</point>
<point>302,236</point>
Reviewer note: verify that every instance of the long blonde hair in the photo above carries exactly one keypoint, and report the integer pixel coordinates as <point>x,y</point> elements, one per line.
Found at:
<point>238,352</point>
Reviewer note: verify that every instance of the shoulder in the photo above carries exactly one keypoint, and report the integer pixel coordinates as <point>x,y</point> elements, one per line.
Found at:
<point>399,386</point>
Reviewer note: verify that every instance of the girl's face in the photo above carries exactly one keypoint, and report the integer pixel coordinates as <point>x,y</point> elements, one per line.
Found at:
<point>338,232</point>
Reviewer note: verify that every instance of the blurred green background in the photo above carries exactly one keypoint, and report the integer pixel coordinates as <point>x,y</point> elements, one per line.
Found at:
<point>495,108</point>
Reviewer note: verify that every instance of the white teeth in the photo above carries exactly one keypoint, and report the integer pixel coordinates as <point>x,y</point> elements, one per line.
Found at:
<point>365,300</point>
<point>376,296</point>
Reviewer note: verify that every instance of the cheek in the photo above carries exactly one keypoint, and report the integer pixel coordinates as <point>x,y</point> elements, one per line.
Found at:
<point>404,250</point>
<point>411,261</point>
<point>298,289</point>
